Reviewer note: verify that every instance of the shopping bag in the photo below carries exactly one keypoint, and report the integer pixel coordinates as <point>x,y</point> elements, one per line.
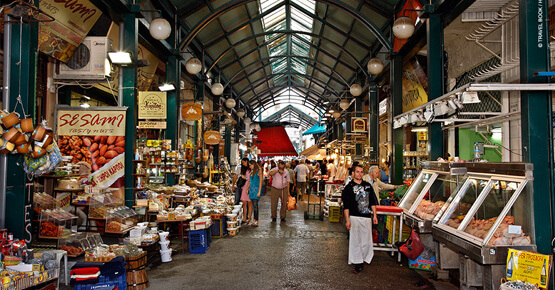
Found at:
<point>413,247</point>
<point>375,237</point>
<point>291,203</point>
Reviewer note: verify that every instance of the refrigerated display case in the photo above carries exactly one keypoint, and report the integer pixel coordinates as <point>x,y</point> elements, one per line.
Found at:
<point>430,193</point>
<point>491,212</point>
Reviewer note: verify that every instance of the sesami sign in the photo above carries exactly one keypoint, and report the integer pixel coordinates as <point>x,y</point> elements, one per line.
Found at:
<point>91,122</point>
<point>191,112</point>
<point>74,18</point>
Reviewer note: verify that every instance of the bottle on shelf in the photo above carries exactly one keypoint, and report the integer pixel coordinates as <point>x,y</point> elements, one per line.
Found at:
<point>510,267</point>
<point>543,277</point>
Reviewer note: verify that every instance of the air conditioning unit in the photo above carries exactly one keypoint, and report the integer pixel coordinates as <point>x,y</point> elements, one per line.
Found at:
<point>88,62</point>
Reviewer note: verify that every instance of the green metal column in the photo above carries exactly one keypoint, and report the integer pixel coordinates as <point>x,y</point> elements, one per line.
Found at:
<point>358,108</point>
<point>340,132</point>
<point>536,116</point>
<point>172,118</point>
<point>434,32</point>
<point>227,149</point>
<point>131,41</point>
<point>374,123</point>
<point>396,108</point>
<point>23,82</point>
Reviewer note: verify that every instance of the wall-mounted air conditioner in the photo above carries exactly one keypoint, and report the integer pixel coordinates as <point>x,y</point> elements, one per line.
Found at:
<point>88,62</point>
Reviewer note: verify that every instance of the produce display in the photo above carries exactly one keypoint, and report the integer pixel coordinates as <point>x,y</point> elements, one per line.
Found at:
<point>115,227</point>
<point>95,150</point>
<point>427,210</point>
<point>48,229</point>
<point>72,251</point>
<point>481,227</point>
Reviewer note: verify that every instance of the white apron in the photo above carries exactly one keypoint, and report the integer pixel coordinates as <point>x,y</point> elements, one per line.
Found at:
<point>361,245</point>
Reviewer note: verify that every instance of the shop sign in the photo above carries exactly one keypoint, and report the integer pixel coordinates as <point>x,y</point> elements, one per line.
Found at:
<point>64,199</point>
<point>74,18</point>
<point>530,267</point>
<point>78,122</point>
<point>191,112</point>
<point>414,86</point>
<point>152,105</point>
<point>383,107</point>
<point>152,125</point>
<point>359,124</point>
<point>109,173</point>
<point>212,137</point>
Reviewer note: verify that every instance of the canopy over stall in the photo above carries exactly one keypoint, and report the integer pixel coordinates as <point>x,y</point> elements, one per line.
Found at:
<point>314,153</point>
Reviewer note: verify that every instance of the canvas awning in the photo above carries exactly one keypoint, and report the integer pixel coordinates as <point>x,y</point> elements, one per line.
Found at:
<point>314,153</point>
<point>274,141</point>
<point>316,129</point>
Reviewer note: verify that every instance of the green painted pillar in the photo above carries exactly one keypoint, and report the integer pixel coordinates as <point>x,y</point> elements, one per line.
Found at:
<point>130,43</point>
<point>172,115</point>
<point>434,30</point>
<point>374,123</point>
<point>396,108</point>
<point>536,116</point>
<point>227,149</point>
<point>22,82</point>
<point>358,108</point>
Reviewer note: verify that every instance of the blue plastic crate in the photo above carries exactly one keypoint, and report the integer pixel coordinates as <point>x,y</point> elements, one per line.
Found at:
<point>198,241</point>
<point>209,235</point>
<point>217,228</point>
<point>105,283</point>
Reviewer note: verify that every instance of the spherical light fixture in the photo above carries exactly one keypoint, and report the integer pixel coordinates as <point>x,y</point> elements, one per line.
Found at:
<point>336,115</point>
<point>160,28</point>
<point>356,90</point>
<point>403,27</point>
<point>375,66</point>
<point>344,104</point>
<point>247,121</point>
<point>193,66</point>
<point>230,103</point>
<point>217,89</point>
<point>240,113</point>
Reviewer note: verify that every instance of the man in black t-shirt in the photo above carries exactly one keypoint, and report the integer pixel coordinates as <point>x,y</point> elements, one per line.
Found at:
<point>359,203</point>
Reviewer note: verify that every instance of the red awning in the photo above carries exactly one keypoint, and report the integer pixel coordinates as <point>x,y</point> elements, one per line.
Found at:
<point>274,141</point>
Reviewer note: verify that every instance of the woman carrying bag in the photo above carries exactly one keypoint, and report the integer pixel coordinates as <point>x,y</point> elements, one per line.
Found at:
<point>255,186</point>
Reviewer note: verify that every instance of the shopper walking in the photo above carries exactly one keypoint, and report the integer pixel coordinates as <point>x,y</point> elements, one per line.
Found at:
<point>255,188</point>
<point>360,203</point>
<point>280,190</point>
<point>385,172</point>
<point>292,190</point>
<point>239,179</point>
<point>373,177</point>
<point>247,203</point>
<point>302,172</point>
<point>324,167</point>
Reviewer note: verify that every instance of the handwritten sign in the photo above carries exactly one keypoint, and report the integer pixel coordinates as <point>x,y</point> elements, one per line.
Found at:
<point>152,105</point>
<point>529,267</point>
<point>90,122</point>
<point>191,112</point>
<point>74,19</point>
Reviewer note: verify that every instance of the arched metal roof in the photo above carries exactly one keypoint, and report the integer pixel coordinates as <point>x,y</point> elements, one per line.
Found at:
<point>292,115</point>
<point>273,52</point>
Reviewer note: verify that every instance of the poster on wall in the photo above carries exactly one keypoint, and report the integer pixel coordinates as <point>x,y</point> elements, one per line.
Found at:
<point>414,86</point>
<point>95,136</point>
<point>61,37</point>
<point>152,105</point>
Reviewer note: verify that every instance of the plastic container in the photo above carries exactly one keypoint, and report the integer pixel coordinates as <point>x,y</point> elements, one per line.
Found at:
<point>164,246</point>
<point>232,231</point>
<point>164,236</point>
<point>231,224</point>
<point>166,255</point>
<point>231,217</point>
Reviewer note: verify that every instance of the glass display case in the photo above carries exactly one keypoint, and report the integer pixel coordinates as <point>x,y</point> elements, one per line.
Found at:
<point>120,220</point>
<point>430,193</point>
<point>490,213</point>
<point>43,201</point>
<point>75,245</point>
<point>57,223</point>
<point>99,204</point>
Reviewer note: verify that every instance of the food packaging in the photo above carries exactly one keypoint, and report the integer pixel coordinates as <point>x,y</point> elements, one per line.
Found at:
<point>232,231</point>
<point>166,255</point>
<point>164,246</point>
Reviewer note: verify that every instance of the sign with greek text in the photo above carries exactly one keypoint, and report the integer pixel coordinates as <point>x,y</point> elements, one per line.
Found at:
<point>415,84</point>
<point>109,173</point>
<point>152,105</point>
<point>152,125</point>
<point>530,267</point>
<point>78,122</point>
<point>73,20</point>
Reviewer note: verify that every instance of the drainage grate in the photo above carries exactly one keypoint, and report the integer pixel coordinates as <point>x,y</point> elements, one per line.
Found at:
<point>293,235</point>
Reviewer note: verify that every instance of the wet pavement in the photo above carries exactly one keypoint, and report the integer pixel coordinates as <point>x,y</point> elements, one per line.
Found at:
<point>298,253</point>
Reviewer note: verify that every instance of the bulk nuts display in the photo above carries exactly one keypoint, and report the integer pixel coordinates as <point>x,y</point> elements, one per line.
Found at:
<point>95,150</point>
